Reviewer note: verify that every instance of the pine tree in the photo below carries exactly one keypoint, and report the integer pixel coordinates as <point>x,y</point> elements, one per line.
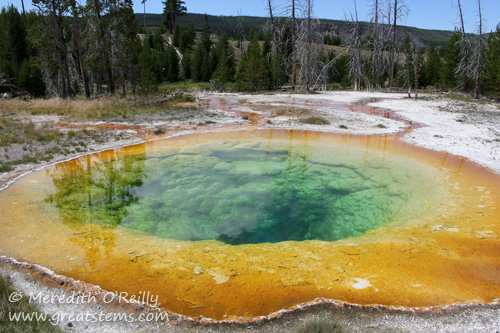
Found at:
<point>187,66</point>
<point>178,32</point>
<point>201,64</point>
<point>98,41</point>
<point>491,80</point>
<point>202,69</point>
<point>149,68</point>
<point>172,10</point>
<point>432,68</point>
<point>75,11</point>
<point>409,70</point>
<point>52,39</point>
<point>449,78</point>
<point>172,64</point>
<point>267,47</point>
<point>253,72</point>
<point>17,63</point>
<point>225,69</point>
<point>14,35</point>
<point>187,38</point>
<point>206,42</point>
<point>30,77</point>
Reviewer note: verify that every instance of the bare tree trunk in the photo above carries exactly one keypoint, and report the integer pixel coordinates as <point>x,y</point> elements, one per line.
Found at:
<point>393,48</point>
<point>479,51</point>
<point>408,54</point>
<point>12,51</point>
<point>376,50</point>
<point>239,30</point>
<point>76,21</point>
<point>463,68</point>
<point>355,62</point>
<point>309,47</point>
<point>294,49</point>
<point>58,34</point>
<point>107,58</point>
<point>416,66</point>
<point>271,16</point>
<point>22,3</point>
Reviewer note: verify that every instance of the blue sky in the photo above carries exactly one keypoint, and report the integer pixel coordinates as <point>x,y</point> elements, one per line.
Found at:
<point>427,14</point>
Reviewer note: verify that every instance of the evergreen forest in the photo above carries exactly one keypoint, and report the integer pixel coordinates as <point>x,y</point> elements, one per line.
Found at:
<point>65,49</point>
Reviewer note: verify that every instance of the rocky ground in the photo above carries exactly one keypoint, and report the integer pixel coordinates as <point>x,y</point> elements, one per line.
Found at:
<point>460,126</point>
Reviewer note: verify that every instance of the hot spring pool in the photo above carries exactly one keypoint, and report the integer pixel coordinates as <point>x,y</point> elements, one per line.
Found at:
<point>246,223</point>
<point>241,192</point>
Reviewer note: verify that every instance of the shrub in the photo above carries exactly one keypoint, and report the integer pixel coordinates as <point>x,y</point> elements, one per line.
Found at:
<point>315,120</point>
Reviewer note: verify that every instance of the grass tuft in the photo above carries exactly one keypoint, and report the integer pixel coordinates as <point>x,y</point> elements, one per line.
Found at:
<point>23,305</point>
<point>320,325</point>
<point>315,120</point>
<point>159,131</point>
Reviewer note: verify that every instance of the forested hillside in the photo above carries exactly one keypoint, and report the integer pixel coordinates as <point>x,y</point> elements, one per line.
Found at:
<point>65,49</point>
<point>227,24</point>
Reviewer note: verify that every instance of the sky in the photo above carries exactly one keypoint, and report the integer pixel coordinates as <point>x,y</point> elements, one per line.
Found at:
<point>426,14</point>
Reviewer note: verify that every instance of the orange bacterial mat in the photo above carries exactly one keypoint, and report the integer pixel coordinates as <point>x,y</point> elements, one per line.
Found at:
<point>446,251</point>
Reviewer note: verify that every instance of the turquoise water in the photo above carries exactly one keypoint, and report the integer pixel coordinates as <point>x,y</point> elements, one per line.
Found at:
<point>242,192</point>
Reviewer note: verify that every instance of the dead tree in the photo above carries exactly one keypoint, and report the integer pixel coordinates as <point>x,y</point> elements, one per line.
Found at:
<point>479,50</point>
<point>393,46</point>
<point>304,44</point>
<point>271,26</point>
<point>408,73</point>
<point>355,64</point>
<point>400,10</point>
<point>76,22</point>
<point>54,49</point>
<point>240,31</point>
<point>419,61</point>
<point>376,45</point>
<point>270,9</point>
<point>310,48</point>
<point>144,3</point>
<point>294,47</point>
<point>462,69</point>
<point>22,3</point>
<point>10,90</point>
<point>291,11</point>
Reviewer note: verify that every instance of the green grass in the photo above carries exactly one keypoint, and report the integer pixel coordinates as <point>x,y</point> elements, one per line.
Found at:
<point>23,305</point>
<point>185,86</point>
<point>46,156</point>
<point>13,131</point>
<point>315,120</point>
<point>159,131</point>
<point>5,167</point>
<point>320,325</point>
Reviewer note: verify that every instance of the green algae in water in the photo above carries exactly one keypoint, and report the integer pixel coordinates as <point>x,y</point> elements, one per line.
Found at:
<point>242,193</point>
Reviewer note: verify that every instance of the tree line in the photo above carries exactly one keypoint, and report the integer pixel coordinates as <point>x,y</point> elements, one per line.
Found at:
<point>384,56</point>
<point>65,48</point>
